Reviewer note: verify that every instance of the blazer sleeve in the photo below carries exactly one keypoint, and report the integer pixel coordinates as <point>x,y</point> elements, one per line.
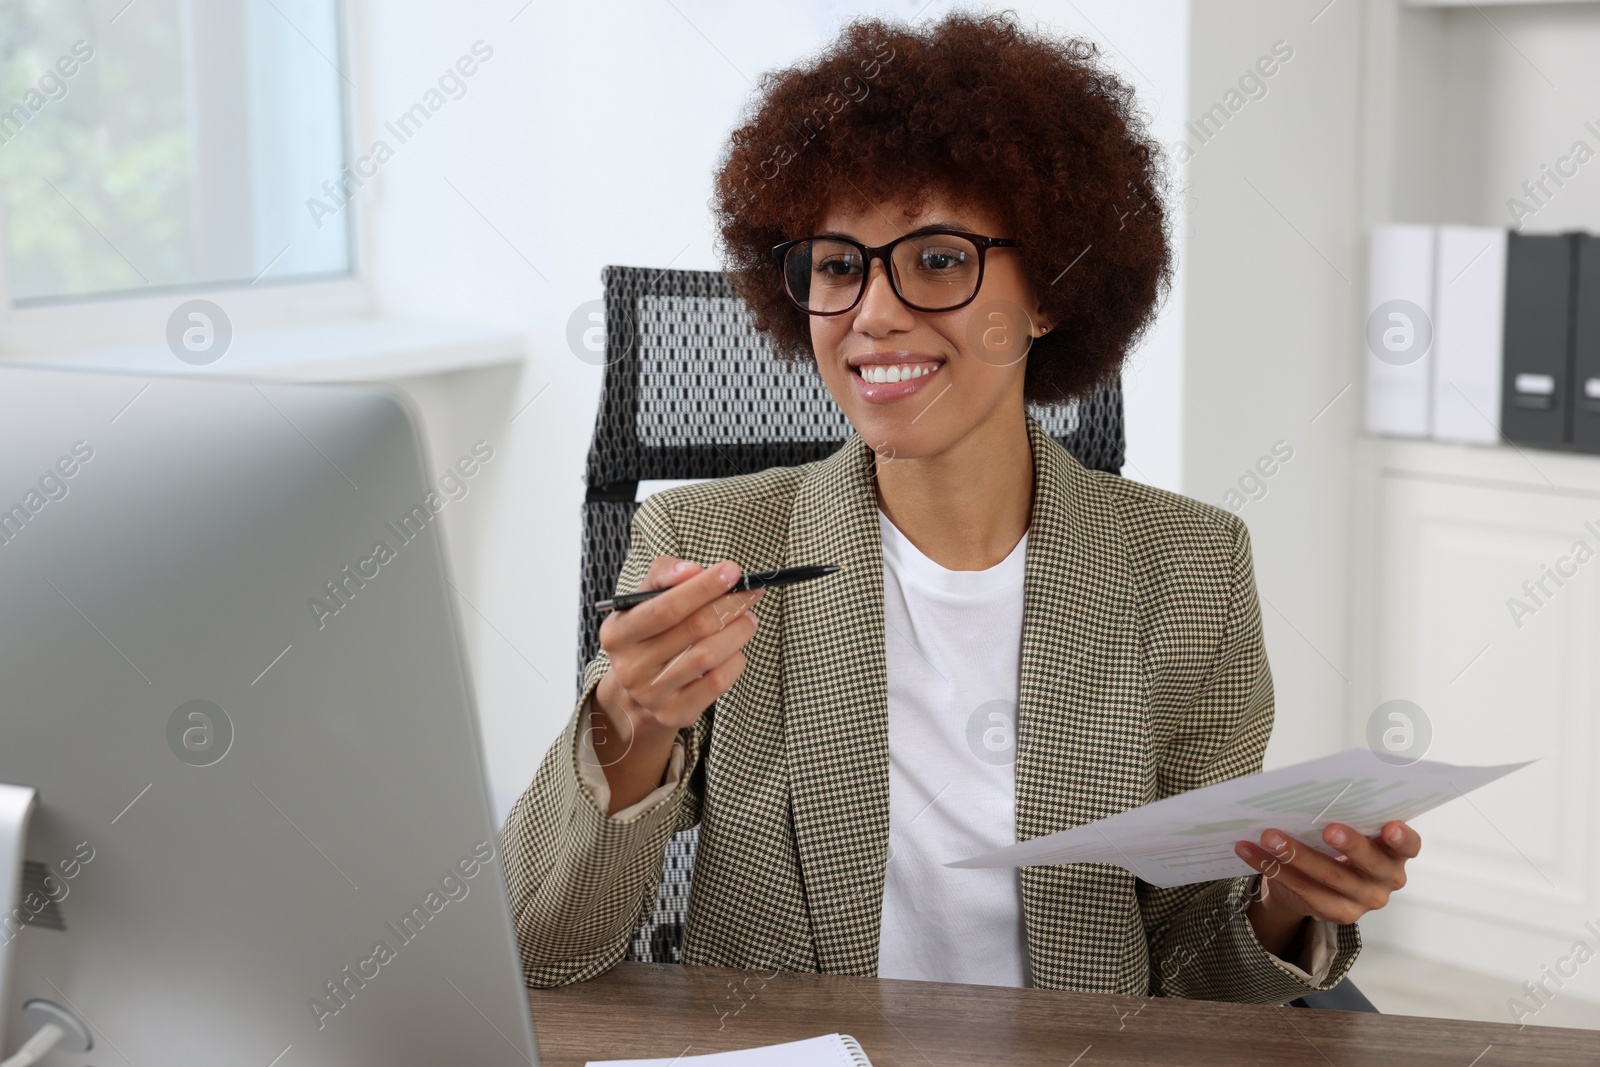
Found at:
<point>582,882</point>
<point>1202,945</point>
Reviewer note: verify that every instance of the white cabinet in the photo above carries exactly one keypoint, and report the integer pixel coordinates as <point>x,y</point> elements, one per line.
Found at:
<point>1449,539</point>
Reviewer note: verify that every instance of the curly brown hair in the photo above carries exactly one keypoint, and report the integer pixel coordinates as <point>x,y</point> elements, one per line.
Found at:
<point>986,113</point>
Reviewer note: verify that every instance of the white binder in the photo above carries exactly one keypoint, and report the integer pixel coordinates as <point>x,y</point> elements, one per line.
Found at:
<point>1399,327</point>
<point>1469,332</point>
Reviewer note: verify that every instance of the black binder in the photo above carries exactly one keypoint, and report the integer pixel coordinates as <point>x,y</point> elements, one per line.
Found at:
<point>1536,386</point>
<point>1586,347</point>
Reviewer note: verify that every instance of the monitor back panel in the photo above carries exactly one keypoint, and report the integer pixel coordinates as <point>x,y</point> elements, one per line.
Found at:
<point>229,664</point>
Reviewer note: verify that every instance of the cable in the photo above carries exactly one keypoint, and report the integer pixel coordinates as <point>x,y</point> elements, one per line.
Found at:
<point>33,1050</point>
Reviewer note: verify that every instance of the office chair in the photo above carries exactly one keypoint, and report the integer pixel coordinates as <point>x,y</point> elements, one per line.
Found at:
<point>691,390</point>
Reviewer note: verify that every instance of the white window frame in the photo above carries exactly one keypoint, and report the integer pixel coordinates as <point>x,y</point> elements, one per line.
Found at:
<point>125,319</point>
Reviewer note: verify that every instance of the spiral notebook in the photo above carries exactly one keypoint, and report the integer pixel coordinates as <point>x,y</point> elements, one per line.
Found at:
<point>828,1050</point>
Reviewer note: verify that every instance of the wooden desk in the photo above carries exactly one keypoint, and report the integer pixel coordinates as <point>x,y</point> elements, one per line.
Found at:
<point>642,1010</point>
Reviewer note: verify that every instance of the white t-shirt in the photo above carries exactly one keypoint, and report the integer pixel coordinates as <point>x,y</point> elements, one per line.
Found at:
<point>954,652</point>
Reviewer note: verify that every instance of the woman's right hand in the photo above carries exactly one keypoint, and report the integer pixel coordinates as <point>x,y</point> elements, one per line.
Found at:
<point>670,659</point>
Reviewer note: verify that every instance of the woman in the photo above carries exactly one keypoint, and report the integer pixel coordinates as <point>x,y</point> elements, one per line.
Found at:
<point>949,222</point>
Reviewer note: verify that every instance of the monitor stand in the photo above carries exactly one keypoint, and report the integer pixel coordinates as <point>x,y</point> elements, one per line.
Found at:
<point>16,808</point>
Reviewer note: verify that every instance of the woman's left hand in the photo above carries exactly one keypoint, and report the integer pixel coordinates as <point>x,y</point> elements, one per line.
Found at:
<point>1300,882</point>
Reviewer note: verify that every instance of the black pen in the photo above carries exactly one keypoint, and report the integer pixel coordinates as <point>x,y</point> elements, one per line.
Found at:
<point>747,582</point>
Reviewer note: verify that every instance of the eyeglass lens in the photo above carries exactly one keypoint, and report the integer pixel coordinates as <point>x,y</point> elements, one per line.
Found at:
<point>931,271</point>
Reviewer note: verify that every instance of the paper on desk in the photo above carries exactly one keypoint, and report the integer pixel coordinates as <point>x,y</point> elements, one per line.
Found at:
<point>829,1050</point>
<point>1190,837</point>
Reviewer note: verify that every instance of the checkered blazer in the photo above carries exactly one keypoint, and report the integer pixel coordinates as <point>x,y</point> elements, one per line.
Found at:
<point>1143,675</point>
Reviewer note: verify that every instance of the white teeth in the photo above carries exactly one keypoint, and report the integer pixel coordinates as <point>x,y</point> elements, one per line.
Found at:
<point>880,374</point>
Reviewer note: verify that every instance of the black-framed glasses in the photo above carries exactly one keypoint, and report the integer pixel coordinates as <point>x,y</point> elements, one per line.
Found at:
<point>929,270</point>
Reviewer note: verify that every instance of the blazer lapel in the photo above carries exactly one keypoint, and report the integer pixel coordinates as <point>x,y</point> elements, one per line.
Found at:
<point>1082,727</point>
<point>835,708</point>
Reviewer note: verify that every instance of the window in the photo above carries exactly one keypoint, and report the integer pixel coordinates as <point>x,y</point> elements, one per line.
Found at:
<point>151,146</point>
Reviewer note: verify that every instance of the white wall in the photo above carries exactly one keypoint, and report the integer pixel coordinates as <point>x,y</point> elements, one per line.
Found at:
<point>1270,346</point>
<point>589,138</point>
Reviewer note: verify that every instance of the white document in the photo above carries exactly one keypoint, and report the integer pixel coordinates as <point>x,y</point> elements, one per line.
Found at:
<point>1468,333</point>
<point>830,1050</point>
<point>1190,837</point>
<point>1400,267</point>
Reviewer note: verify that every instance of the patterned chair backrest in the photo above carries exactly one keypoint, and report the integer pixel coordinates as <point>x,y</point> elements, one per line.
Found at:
<point>692,391</point>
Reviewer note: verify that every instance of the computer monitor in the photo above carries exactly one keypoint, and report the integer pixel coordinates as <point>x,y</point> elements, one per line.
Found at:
<point>230,667</point>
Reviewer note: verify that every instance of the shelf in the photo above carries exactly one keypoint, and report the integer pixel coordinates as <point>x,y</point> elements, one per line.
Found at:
<point>1471,105</point>
<point>1487,3</point>
<point>380,349</point>
<point>1521,467</point>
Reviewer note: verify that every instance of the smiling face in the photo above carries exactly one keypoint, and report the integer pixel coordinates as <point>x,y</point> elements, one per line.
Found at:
<point>916,383</point>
